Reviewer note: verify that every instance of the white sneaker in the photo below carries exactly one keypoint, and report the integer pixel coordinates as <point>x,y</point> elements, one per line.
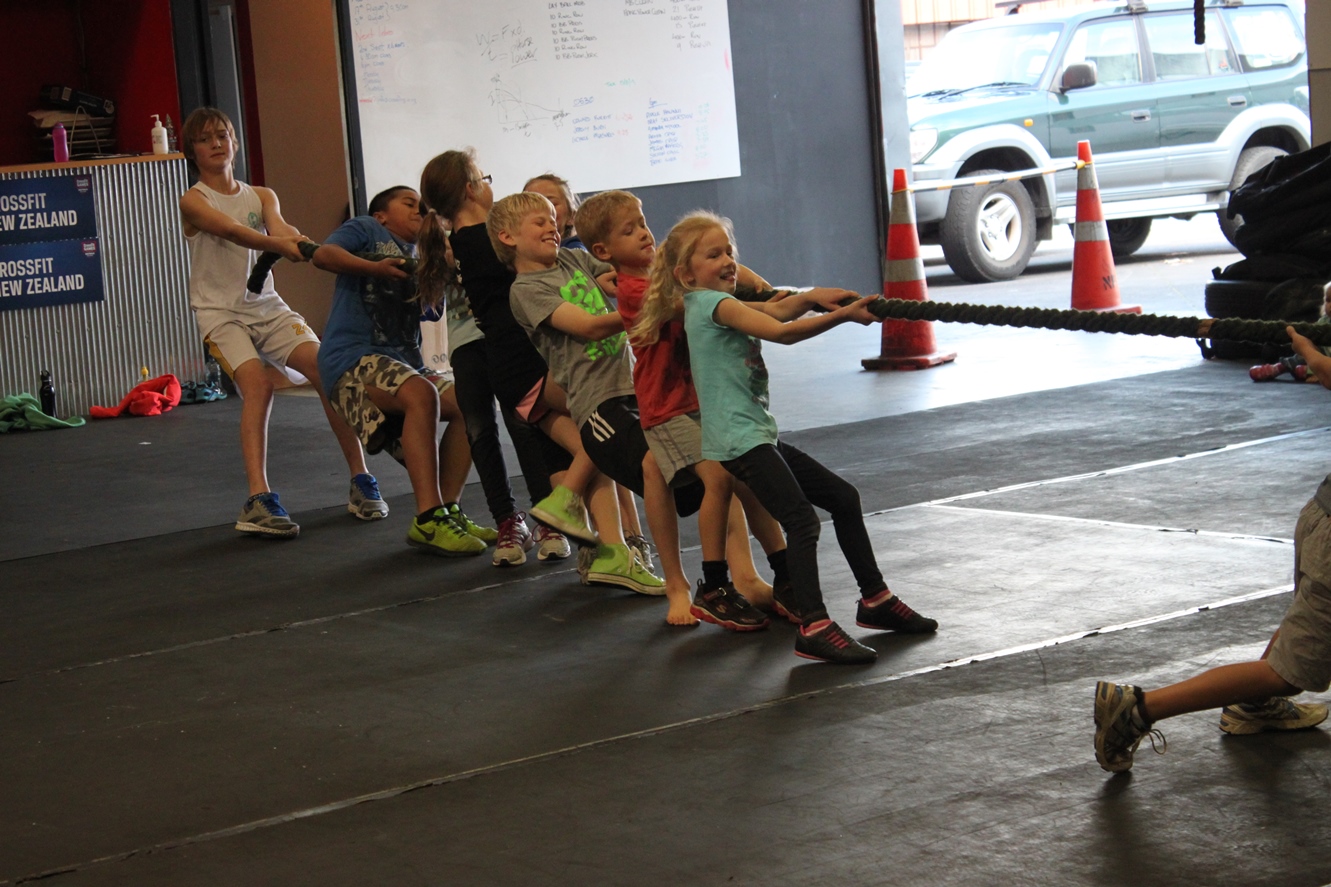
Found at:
<point>515,540</point>
<point>550,545</point>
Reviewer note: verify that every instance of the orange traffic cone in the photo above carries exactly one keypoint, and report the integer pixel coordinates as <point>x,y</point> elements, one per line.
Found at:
<point>907,344</point>
<point>1094,287</point>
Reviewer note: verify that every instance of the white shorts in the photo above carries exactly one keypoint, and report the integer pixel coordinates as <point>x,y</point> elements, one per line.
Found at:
<point>676,444</point>
<point>271,339</point>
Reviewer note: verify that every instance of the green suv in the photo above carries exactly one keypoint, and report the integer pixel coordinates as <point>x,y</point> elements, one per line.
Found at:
<point>1174,126</point>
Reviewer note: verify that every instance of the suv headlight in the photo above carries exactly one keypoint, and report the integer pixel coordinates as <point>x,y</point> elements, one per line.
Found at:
<point>922,141</point>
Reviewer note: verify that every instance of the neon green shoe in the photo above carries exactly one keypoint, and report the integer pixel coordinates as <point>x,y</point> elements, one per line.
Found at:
<point>616,565</point>
<point>564,512</point>
<point>439,534</point>
<point>488,535</point>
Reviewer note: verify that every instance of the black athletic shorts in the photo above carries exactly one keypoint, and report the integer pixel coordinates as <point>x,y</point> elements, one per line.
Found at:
<point>613,439</point>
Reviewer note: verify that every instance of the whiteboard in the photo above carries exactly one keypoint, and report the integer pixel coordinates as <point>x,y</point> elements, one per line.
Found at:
<point>606,93</point>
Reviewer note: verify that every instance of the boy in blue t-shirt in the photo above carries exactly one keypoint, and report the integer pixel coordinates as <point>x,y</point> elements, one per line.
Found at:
<point>374,376</point>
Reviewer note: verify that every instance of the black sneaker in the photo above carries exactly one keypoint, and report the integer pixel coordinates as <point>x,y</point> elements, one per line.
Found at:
<point>726,607</point>
<point>832,644</point>
<point>894,615</point>
<point>783,602</point>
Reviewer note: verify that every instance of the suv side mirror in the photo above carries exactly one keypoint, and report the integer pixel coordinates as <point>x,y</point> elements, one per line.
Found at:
<point>1078,75</point>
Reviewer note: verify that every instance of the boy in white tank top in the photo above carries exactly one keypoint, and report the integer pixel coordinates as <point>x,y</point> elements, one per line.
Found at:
<point>226,224</point>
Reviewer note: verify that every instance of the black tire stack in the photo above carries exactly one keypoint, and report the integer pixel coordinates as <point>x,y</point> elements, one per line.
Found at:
<point>1281,220</point>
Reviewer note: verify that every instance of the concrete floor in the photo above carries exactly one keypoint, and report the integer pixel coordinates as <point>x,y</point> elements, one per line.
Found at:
<point>186,707</point>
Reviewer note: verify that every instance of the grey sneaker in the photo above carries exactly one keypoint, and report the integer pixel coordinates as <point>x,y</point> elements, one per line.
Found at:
<point>551,545</point>
<point>364,501</point>
<point>263,515</point>
<point>1119,727</point>
<point>643,550</point>
<point>1276,713</point>
<point>515,540</point>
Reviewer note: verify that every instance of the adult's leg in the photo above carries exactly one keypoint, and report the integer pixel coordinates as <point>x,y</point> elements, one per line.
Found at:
<point>305,360</point>
<point>774,485</point>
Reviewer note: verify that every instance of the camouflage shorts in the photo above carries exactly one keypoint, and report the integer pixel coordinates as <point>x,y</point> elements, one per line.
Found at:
<point>376,430</point>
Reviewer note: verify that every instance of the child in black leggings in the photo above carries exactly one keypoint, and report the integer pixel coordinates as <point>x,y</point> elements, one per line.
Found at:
<point>697,263</point>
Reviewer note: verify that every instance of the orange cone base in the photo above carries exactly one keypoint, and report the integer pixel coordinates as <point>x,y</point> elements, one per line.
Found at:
<point>1117,309</point>
<point>913,362</point>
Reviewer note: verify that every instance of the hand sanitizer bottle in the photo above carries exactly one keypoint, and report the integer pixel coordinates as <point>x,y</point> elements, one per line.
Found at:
<point>159,136</point>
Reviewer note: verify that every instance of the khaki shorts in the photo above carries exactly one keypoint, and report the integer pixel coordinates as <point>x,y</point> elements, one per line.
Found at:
<point>271,339</point>
<point>676,444</point>
<point>377,431</point>
<point>1302,652</point>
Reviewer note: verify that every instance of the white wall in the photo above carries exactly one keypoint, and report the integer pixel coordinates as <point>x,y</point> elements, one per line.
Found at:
<point>1319,68</point>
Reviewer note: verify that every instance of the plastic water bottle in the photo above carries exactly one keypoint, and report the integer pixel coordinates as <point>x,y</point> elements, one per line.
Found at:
<point>47,393</point>
<point>213,377</point>
<point>60,143</point>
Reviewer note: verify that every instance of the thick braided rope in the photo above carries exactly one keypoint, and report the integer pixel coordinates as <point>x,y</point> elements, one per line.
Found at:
<point>266,261</point>
<point>1100,321</point>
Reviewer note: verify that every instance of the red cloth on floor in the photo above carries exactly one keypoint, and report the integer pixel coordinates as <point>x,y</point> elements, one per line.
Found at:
<point>151,398</point>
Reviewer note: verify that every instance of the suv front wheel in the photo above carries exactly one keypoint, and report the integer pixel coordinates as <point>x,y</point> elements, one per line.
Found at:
<point>989,230</point>
<point>1252,159</point>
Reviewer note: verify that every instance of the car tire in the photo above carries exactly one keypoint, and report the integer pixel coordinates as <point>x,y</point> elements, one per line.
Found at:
<point>1126,236</point>
<point>1237,298</point>
<point>1230,349</point>
<point>988,233</point>
<point>1251,160</point>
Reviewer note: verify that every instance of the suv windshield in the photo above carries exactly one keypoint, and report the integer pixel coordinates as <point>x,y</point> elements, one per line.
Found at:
<point>1015,55</point>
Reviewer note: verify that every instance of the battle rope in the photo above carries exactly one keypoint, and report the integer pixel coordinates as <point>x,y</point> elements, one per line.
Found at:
<point>1100,321</point>
<point>266,261</point>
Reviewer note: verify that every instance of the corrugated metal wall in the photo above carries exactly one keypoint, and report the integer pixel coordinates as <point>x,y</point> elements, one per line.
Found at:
<point>94,349</point>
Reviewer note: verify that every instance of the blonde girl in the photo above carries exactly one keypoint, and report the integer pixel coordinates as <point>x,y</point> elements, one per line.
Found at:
<point>696,267</point>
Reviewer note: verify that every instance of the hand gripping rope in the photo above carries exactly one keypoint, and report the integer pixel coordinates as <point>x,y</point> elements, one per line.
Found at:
<point>265,263</point>
<point>1100,321</point>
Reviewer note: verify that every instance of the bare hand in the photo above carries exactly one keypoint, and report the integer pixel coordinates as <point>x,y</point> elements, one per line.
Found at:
<point>609,283</point>
<point>830,297</point>
<point>1300,341</point>
<point>858,311</point>
<point>390,268</point>
<point>289,247</point>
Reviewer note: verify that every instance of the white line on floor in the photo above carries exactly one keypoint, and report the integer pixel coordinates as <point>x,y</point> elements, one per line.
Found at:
<point>1212,534</point>
<point>1109,472</point>
<point>385,794</point>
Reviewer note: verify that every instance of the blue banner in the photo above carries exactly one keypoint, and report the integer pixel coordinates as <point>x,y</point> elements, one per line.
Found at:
<point>35,275</point>
<point>54,208</point>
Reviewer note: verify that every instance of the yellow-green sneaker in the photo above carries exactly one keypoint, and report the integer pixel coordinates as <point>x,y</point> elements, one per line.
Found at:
<point>439,534</point>
<point>564,512</point>
<point>488,535</point>
<point>617,565</point>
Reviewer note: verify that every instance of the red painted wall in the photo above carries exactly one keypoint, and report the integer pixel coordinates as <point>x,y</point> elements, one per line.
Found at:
<point>129,55</point>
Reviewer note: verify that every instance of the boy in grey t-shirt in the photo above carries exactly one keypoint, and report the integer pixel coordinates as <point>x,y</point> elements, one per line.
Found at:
<point>557,298</point>
<point>557,301</point>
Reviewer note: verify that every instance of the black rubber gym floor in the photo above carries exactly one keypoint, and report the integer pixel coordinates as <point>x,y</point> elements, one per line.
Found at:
<point>186,706</point>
